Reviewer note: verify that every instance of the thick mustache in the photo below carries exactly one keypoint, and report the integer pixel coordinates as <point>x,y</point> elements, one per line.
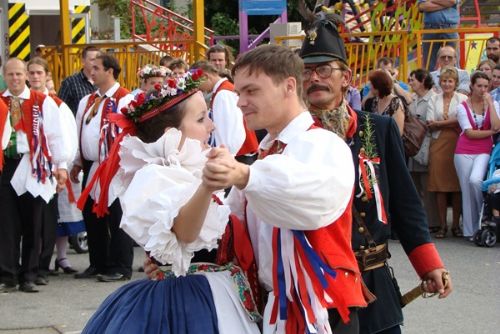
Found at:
<point>316,87</point>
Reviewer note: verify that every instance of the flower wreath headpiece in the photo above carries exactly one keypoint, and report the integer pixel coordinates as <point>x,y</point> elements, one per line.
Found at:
<point>151,71</point>
<point>145,106</point>
<point>149,104</point>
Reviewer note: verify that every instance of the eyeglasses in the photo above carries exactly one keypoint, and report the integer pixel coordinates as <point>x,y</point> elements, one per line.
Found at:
<point>323,71</point>
<point>447,57</point>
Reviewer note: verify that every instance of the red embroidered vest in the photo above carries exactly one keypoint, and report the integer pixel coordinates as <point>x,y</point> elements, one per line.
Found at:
<point>250,145</point>
<point>4,112</point>
<point>26,125</point>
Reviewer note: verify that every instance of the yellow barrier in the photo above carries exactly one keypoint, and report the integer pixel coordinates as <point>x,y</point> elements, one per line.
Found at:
<point>405,49</point>
<point>130,55</point>
<point>366,48</point>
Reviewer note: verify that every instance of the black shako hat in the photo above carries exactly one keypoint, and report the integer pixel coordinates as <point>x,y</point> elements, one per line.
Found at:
<point>323,43</point>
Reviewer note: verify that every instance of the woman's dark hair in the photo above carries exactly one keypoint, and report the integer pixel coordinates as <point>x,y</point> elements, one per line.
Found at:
<point>381,81</point>
<point>478,75</point>
<point>424,77</point>
<point>152,129</point>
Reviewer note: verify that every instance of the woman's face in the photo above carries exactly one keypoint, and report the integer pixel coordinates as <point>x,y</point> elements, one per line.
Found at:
<point>414,83</point>
<point>196,124</point>
<point>486,68</point>
<point>447,84</point>
<point>480,87</point>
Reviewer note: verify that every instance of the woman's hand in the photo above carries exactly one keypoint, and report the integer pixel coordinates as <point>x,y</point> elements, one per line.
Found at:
<point>150,268</point>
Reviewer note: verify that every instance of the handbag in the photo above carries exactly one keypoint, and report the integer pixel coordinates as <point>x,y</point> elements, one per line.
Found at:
<point>422,157</point>
<point>414,133</point>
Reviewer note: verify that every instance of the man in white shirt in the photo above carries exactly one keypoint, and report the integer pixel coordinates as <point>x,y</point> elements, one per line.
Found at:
<point>35,164</point>
<point>447,57</point>
<point>110,249</point>
<point>38,70</point>
<point>287,200</point>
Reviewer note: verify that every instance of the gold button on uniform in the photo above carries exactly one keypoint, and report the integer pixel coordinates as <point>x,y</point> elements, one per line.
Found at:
<point>361,229</point>
<point>362,214</point>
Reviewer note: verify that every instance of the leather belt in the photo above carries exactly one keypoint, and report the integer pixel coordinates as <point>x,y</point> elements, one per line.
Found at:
<point>372,258</point>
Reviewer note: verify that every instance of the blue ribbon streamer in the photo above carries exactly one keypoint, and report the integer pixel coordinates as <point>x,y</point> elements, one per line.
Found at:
<point>316,263</point>
<point>281,281</point>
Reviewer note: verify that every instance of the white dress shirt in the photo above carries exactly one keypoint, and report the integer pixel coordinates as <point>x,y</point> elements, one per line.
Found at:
<point>90,135</point>
<point>307,187</point>
<point>23,179</point>
<point>228,119</point>
<point>7,131</point>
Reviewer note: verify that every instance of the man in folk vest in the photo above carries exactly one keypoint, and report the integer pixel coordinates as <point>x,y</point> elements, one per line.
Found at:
<point>386,198</point>
<point>35,163</point>
<point>110,248</point>
<point>38,70</point>
<point>230,129</point>
<point>296,200</point>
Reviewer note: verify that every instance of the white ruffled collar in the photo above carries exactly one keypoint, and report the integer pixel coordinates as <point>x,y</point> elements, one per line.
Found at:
<point>135,154</point>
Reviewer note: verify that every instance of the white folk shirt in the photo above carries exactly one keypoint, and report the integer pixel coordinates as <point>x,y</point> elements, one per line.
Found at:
<point>90,134</point>
<point>7,131</point>
<point>23,180</point>
<point>307,187</point>
<point>228,119</point>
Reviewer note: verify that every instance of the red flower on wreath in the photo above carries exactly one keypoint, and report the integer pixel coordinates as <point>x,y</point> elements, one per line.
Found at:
<point>172,83</point>
<point>197,74</point>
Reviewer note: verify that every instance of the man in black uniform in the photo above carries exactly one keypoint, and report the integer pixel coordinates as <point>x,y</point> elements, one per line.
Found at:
<point>381,203</point>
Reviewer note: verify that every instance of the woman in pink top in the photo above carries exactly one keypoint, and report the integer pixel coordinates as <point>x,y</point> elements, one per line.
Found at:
<point>478,118</point>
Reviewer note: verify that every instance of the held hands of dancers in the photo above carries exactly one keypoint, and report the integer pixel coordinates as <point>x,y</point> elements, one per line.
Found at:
<point>222,170</point>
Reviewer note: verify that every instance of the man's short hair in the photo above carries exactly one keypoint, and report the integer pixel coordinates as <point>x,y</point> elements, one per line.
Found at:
<point>88,49</point>
<point>178,63</point>
<point>219,48</point>
<point>39,61</point>
<point>277,62</point>
<point>493,39</point>
<point>205,66</point>
<point>166,60</point>
<point>385,61</point>
<point>108,61</point>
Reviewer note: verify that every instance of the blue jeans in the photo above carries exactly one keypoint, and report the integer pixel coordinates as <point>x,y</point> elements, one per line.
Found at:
<point>442,37</point>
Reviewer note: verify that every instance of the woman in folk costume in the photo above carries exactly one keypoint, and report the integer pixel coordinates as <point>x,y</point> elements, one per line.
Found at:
<point>175,217</point>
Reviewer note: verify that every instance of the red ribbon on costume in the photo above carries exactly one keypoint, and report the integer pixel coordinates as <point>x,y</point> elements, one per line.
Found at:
<point>367,180</point>
<point>108,168</point>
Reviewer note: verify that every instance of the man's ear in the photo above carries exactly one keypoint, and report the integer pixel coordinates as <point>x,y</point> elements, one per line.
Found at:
<point>290,85</point>
<point>347,78</point>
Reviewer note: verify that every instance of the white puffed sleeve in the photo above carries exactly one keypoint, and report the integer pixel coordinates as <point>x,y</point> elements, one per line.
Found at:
<point>156,193</point>
<point>306,187</point>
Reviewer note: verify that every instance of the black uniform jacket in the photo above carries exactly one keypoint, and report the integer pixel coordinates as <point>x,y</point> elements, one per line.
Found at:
<point>405,214</point>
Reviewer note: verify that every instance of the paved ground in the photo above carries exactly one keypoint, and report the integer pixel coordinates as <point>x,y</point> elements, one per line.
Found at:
<point>66,303</point>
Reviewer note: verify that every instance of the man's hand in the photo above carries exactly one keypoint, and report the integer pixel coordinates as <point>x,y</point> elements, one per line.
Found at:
<point>222,170</point>
<point>61,175</point>
<point>438,281</point>
<point>75,171</point>
<point>150,268</point>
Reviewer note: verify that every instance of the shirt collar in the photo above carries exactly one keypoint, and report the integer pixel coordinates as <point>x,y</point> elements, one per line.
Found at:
<point>25,95</point>
<point>299,124</point>
<point>110,92</point>
<point>217,84</point>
